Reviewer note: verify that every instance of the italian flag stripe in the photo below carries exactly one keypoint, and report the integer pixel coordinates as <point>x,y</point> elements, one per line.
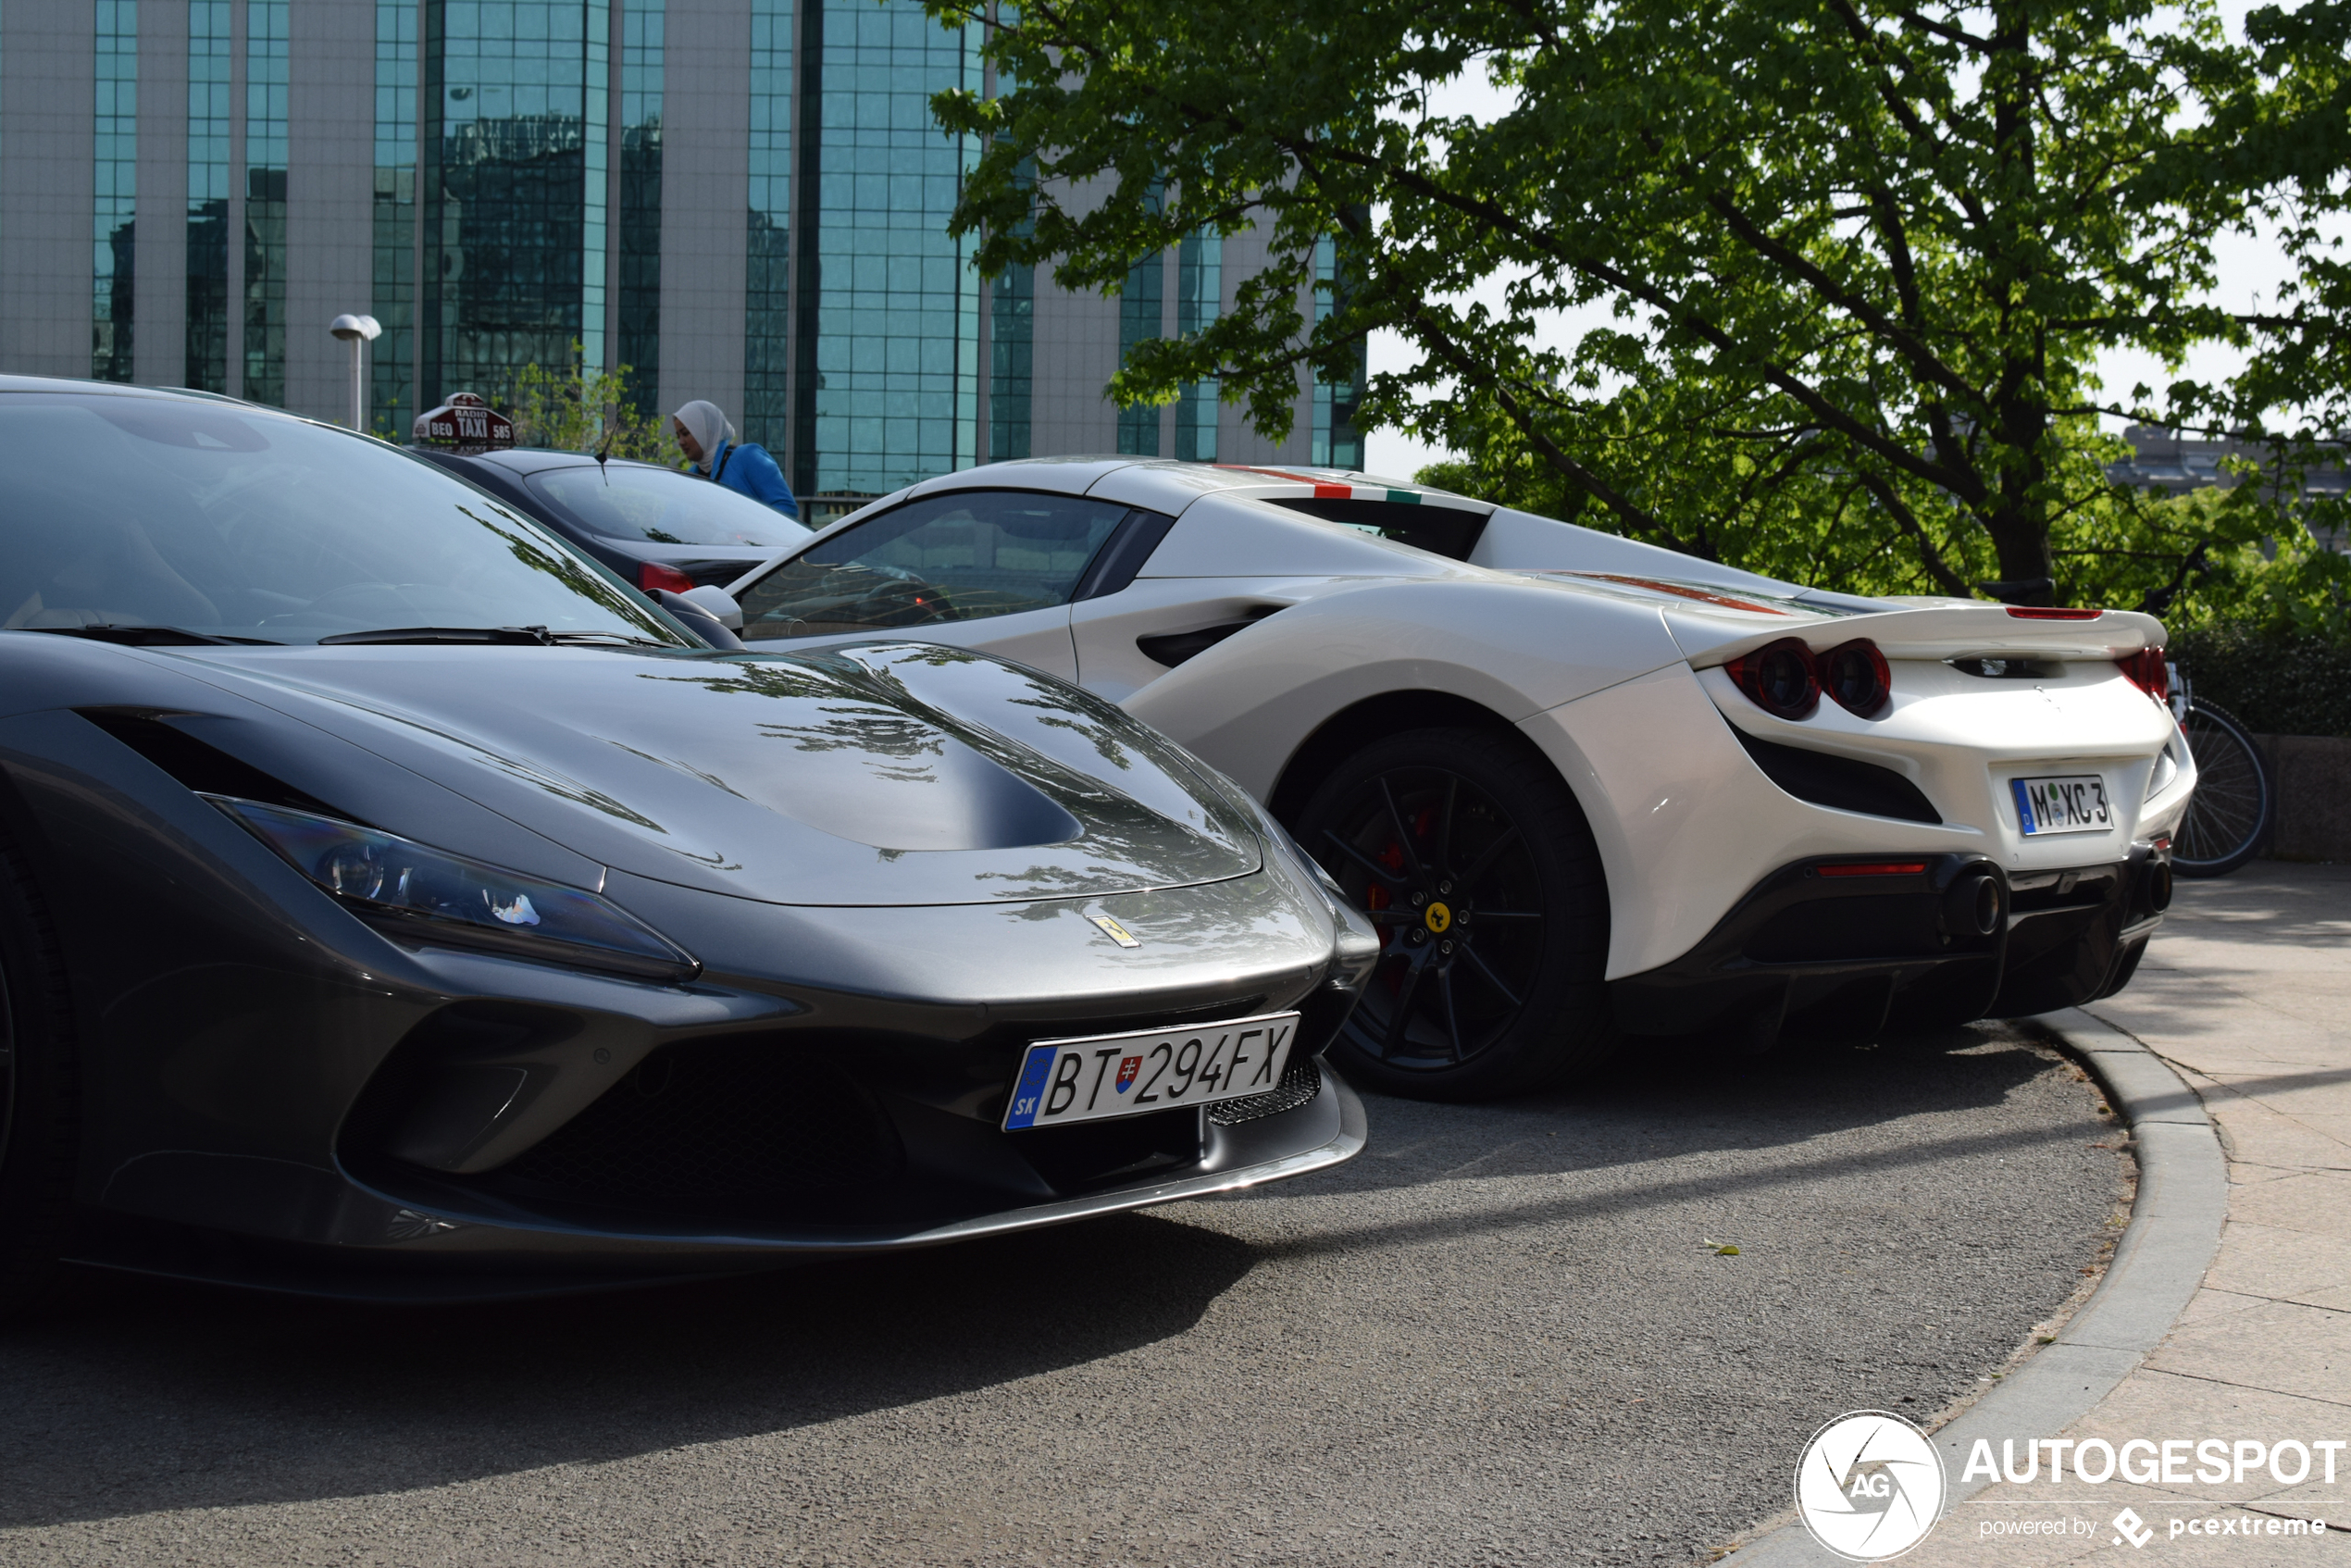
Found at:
<point>1327,491</point>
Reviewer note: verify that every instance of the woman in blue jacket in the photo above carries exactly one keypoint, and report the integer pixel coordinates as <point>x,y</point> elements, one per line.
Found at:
<point>708,441</point>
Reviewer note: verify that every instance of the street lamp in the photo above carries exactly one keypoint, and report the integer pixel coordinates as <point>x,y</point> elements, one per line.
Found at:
<point>356,331</point>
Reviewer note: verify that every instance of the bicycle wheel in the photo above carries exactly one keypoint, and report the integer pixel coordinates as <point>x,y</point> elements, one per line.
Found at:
<point>2234,800</point>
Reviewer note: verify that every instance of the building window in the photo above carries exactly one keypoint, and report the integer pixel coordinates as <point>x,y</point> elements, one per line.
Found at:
<point>595,187</point>
<point>1199,298</point>
<point>394,295</point>
<point>210,42</point>
<point>638,303</point>
<point>895,366</point>
<point>1336,443</point>
<point>767,412</point>
<point>1140,307</point>
<point>1011,354</point>
<point>265,309</point>
<point>115,188</point>
<point>514,190</point>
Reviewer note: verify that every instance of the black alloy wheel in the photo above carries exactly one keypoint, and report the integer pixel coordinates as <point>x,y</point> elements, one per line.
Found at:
<point>37,1098</point>
<point>1478,868</point>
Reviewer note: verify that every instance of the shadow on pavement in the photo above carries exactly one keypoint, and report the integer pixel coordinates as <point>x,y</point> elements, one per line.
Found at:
<point>152,1397</point>
<point>1668,1100</point>
<point>157,1396</point>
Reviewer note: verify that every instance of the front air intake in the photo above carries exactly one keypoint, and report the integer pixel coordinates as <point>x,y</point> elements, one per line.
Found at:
<point>739,1128</point>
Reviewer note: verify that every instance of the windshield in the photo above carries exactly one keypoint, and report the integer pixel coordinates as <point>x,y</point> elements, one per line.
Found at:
<point>962,556</point>
<point>662,506</point>
<point>238,522</point>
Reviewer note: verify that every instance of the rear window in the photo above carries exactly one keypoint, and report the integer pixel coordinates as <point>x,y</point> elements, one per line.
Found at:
<point>661,507</point>
<point>1449,531</point>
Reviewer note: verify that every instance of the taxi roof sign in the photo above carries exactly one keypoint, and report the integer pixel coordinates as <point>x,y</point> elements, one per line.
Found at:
<point>465,423</point>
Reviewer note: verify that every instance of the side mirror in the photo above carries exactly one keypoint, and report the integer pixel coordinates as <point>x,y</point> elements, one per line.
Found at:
<point>718,605</point>
<point>696,619</point>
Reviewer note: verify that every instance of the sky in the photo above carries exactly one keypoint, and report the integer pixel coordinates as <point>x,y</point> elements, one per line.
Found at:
<point>2251,269</point>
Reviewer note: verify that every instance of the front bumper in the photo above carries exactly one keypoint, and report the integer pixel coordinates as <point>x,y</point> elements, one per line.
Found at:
<point>1844,942</point>
<point>447,1260</point>
<point>520,1115</point>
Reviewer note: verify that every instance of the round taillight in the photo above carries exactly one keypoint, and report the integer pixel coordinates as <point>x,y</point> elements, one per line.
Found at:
<point>1854,674</point>
<point>1779,678</point>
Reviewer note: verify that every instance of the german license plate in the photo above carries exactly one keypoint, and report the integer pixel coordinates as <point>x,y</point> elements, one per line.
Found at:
<point>2075,804</point>
<point>1065,1081</point>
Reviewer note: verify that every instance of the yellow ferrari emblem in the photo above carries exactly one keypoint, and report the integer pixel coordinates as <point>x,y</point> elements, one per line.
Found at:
<point>1114,931</point>
<point>1438,917</point>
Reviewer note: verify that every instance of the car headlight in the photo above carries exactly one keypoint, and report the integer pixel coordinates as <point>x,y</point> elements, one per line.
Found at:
<point>413,891</point>
<point>1359,940</point>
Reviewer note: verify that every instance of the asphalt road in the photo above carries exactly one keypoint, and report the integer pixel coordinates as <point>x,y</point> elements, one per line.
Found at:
<point>1504,1336</point>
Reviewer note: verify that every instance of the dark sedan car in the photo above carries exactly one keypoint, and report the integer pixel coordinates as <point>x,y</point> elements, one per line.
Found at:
<point>658,527</point>
<point>394,901</point>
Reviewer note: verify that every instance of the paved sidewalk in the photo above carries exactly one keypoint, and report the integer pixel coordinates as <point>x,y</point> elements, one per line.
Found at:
<point>2247,993</point>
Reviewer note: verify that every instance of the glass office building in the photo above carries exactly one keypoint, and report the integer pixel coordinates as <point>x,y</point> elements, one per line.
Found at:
<point>114,184</point>
<point>513,198</point>
<point>895,333</point>
<point>267,58</point>
<point>210,78</point>
<point>739,199</point>
<point>765,419</point>
<point>392,249</point>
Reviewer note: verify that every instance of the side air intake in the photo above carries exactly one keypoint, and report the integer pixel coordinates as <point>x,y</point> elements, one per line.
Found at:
<point>1842,783</point>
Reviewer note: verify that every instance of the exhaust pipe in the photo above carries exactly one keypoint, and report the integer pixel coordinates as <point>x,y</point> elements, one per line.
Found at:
<point>1972,905</point>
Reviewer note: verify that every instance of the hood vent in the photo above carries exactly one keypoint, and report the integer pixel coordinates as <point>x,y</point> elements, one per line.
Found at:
<point>200,767</point>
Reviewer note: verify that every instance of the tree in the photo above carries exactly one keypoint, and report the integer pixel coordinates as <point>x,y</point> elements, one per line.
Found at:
<point>576,409</point>
<point>2287,133</point>
<point>1861,254</point>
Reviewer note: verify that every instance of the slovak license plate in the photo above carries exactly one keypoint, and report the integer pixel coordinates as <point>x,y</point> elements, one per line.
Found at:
<point>1067,1081</point>
<point>2075,804</point>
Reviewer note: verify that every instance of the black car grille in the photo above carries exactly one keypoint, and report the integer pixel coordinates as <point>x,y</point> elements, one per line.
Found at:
<point>1832,929</point>
<point>716,1127</point>
<point>1301,1081</point>
<point>1092,1155</point>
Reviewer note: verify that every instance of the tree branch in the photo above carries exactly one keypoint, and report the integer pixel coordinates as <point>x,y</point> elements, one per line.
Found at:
<point>1906,520</point>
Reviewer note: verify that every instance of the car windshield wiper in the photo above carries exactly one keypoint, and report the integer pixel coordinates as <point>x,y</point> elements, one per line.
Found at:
<point>525,636</point>
<point>567,639</point>
<point>155,636</point>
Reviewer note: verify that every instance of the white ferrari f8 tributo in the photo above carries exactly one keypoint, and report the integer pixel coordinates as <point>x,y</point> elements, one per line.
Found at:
<point>1589,790</point>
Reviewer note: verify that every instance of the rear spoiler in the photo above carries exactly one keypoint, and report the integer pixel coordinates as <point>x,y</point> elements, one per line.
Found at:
<point>1936,631</point>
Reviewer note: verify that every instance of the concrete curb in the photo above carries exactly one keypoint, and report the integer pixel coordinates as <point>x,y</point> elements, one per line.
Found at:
<point>2158,1264</point>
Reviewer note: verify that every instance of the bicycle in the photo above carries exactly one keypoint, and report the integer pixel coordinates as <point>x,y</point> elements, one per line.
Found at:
<point>2235,800</point>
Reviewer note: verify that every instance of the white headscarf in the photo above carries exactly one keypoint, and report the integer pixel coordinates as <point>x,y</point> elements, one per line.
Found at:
<point>709,428</point>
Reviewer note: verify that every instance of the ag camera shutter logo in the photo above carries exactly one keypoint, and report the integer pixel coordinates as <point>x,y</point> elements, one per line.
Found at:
<point>1869,1485</point>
